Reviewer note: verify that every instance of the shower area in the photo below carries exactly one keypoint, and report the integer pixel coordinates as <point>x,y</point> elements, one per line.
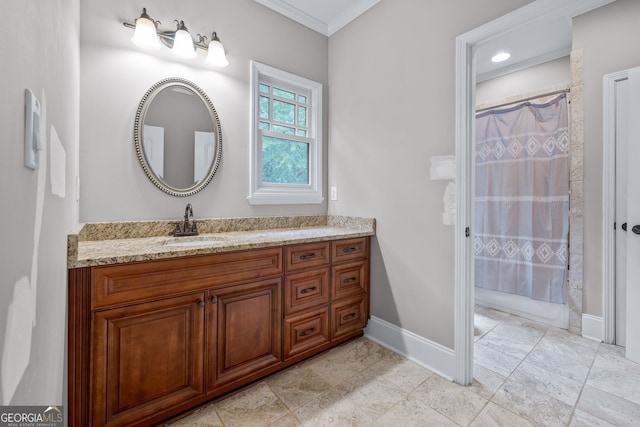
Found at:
<point>521,230</point>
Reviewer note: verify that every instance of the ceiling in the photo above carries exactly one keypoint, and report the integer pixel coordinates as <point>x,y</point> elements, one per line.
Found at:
<point>538,42</point>
<point>323,16</point>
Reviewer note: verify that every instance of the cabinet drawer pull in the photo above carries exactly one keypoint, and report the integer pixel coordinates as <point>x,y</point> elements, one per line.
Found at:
<point>308,256</point>
<point>306,291</point>
<point>307,332</point>
<point>201,304</point>
<point>214,300</point>
<point>351,280</point>
<point>349,316</point>
<point>349,249</point>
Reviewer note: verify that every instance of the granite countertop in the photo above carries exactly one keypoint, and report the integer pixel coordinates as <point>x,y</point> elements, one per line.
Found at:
<point>106,243</point>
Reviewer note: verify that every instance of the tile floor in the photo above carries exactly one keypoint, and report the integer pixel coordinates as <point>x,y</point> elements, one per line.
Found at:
<point>526,374</point>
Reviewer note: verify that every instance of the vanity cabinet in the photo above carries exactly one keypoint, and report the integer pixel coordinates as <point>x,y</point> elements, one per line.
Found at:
<point>150,340</point>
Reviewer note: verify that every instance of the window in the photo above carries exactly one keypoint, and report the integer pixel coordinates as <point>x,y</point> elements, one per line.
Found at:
<point>286,138</point>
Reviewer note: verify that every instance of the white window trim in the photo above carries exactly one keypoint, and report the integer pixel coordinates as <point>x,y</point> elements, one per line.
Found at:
<point>278,194</point>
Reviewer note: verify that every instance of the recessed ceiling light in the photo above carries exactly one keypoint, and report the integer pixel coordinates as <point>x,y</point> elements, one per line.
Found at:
<point>500,57</point>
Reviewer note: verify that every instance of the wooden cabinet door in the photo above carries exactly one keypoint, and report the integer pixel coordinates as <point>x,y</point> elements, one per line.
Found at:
<point>244,332</point>
<point>146,358</point>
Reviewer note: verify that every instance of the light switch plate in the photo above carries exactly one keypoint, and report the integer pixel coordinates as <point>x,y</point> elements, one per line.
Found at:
<point>334,193</point>
<point>32,141</point>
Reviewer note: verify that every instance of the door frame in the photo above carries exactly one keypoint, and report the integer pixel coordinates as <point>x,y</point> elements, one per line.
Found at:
<point>609,82</point>
<point>465,130</point>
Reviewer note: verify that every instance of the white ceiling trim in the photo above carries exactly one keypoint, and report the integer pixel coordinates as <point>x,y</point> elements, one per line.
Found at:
<point>326,28</point>
<point>349,15</point>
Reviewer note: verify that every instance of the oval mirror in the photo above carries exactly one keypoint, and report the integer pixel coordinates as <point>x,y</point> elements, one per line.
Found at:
<point>178,137</point>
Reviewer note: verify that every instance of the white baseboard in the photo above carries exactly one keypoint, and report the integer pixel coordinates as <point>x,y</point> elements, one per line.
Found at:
<point>592,327</point>
<point>431,355</point>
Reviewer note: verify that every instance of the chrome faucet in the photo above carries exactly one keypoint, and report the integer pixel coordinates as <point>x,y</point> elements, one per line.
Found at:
<point>188,229</point>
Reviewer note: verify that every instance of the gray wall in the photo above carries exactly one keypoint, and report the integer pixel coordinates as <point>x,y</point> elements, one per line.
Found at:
<point>530,79</point>
<point>607,36</point>
<point>41,52</point>
<point>391,104</point>
<point>115,75</point>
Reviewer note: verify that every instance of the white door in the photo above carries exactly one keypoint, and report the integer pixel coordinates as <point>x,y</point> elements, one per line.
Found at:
<point>633,220</point>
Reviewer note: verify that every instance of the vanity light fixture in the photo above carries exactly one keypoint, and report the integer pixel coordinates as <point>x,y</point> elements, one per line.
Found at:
<point>501,57</point>
<point>147,35</point>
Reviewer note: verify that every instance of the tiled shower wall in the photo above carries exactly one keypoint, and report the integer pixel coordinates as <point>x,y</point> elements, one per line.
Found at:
<point>576,199</point>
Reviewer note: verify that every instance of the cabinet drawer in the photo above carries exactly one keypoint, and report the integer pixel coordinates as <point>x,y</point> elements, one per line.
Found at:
<point>348,316</point>
<point>306,256</point>
<point>349,249</point>
<point>306,331</point>
<point>135,282</point>
<point>349,279</point>
<point>305,290</point>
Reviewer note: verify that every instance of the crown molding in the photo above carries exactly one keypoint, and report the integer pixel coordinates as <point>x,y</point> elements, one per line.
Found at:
<point>325,28</point>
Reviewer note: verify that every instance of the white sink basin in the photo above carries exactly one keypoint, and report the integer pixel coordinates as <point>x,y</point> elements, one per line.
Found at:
<point>193,241</point>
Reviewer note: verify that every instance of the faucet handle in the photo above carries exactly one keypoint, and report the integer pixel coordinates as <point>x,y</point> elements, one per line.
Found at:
<point>177,228</point>
<point>194,227</point>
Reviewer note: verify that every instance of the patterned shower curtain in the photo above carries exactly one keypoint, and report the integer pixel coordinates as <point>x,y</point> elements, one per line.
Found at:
<point>522,200</point>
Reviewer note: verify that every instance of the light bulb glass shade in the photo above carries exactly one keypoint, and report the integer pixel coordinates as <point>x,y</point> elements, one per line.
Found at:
<point>183,45</point>
<point>145,34</point>
<point>216,55</point>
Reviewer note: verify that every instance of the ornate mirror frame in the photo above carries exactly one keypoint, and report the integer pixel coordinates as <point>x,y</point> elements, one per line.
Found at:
<point>138,135</point>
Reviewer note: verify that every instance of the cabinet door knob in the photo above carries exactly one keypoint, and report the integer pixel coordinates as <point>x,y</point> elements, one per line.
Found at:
<point>214,300</point>
<point>201,304</point>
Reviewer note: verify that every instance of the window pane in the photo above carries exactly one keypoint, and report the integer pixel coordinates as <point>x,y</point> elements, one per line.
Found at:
<point>284,129</point>
<point>264,125</point>
<point>302,99</point>
<point>284,162</point>
<point>264,107</point>
<point>302,132</point>
<point>264,88</point>
<point>284,94</point>
<point>284,112</point>
<point>302,116</point>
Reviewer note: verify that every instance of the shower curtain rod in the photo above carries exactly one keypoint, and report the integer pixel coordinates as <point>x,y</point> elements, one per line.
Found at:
<point>567,90</point>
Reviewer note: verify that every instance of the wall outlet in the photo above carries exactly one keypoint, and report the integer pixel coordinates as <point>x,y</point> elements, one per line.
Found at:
<point>334,193</point>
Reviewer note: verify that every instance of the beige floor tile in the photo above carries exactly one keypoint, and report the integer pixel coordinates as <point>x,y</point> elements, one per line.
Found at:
<point>414,412</point>
<point>255,406</point>
<point>287,421</point>
<point>574,351</point>
<point>334,408</point>
<point>457,403</point>
<point>205,417</point>
<point>298,385</point>
<point>496,416</point>
<point>533,405</point>
<point>402,372</point>
<point>611,358</point>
